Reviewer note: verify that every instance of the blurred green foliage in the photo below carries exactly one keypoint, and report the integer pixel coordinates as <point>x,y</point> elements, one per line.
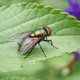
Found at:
<point>8,2</point>
<point>61,4</point>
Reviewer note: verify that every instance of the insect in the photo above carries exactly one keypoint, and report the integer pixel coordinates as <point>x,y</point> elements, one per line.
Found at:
<point>30,39</point>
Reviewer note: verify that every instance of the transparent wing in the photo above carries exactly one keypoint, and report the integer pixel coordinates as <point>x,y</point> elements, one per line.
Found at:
<point>20,36</point>
<point>28,44</point>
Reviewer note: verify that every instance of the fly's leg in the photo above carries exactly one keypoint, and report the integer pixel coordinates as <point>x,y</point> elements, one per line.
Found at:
<point>42,50</point>
<point>20,44</point>
<point>29,52</point>
<point>50,42</point>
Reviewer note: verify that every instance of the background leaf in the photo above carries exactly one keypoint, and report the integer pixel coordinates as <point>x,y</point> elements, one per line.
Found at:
<point>44,70</point>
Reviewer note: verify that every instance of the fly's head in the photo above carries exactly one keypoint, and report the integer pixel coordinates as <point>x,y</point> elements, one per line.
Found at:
<point>48,30</point>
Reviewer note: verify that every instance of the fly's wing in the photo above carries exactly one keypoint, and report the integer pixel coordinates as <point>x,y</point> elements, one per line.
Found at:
<point>28,44</point>
<point>20,36</point>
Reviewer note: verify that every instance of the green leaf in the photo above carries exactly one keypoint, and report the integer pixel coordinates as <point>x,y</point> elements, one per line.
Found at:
<point>10,59</point>
<point>24,17</point>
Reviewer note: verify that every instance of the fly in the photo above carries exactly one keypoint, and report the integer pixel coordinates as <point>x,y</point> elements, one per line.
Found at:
<point>30,39</point>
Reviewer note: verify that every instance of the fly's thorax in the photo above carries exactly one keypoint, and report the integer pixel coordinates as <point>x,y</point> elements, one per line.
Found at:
<point>39,33</point>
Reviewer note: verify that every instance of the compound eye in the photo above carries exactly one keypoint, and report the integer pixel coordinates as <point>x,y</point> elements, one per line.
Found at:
<point>49,31</point>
